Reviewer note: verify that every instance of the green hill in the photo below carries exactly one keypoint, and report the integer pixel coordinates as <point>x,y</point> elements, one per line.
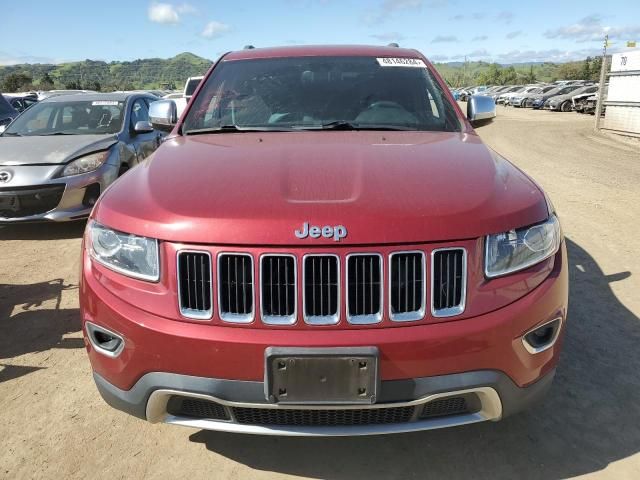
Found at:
<point>97,75</point>
<point>172,72</point>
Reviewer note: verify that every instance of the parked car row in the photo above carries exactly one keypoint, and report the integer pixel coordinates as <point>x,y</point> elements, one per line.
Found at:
<point>563,95</point>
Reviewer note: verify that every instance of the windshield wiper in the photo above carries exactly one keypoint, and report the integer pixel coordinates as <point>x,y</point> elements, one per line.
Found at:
<point>346,125</point>
<point>234,129</point>
<point>11,134</point>
<point>56,133</point>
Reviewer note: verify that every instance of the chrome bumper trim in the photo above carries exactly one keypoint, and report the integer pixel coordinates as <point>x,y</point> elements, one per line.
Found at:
<point>491,409</point>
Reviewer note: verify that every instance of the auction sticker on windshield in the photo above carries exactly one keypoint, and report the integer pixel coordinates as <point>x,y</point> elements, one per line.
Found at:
<point>401,62</point>
<point>105,103</point>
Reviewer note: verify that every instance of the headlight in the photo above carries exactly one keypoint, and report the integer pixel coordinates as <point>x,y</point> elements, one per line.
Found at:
<point>125,253</point>
<point>519,249</point>
<point>85,164</point>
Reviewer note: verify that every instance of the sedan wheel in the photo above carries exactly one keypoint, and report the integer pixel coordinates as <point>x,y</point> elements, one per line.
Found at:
<point>566,106</point>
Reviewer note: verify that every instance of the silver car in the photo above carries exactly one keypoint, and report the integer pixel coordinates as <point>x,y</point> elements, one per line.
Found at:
<point>59,155</point>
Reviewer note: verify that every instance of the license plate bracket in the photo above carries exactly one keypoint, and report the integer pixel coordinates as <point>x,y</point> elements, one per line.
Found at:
<point>317,376</point>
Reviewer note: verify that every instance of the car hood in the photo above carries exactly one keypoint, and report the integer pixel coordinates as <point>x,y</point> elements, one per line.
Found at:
<point>52,149</point>
<point>384,187</point>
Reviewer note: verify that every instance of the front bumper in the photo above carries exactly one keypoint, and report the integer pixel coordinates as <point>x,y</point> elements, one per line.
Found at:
<point>226,363</point>
<point>496,397</point>
<point>74,200</point>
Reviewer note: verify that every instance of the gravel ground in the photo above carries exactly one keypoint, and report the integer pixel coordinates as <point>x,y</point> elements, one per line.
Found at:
<point>53,424</point>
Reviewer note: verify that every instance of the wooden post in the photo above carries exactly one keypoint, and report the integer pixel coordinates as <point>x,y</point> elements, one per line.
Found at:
<point>603,79</point>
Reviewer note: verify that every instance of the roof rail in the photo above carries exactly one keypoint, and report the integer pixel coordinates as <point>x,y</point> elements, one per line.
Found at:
<point>248,47</point>
<point>393,44</point>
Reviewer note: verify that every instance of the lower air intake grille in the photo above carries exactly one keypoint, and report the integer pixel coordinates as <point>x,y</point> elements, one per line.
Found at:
<point>196,408</point>
<point>407,294</point>
<point>235,287</point>
<point>364,288</point>
<point>16,202</point>
<point>194,284</point>
<point>321,274</point>
<point>370,416</point>
<point>449,278</point>
<point>278,289</point>
<point>444,407</point>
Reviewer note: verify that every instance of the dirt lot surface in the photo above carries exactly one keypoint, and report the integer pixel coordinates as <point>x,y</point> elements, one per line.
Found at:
<point>53,424</point>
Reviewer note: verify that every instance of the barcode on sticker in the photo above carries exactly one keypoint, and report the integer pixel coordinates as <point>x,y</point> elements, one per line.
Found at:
<point>401,62</point>
<point>105,103</point>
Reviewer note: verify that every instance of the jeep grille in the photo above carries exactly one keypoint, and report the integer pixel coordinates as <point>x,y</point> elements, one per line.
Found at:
<point>364,288</point>
<point>235,287</point>
<point>321,289</point>
<point>407,289</point>
<point>194,284</point>
<point>278,289</point>
<point>449,274</point>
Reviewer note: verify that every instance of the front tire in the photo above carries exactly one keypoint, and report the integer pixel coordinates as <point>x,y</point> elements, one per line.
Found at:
<point>566,106</point>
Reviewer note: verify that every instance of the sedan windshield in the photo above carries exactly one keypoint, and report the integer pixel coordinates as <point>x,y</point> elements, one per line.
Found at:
<point>316,93</point>
<point>5,108</point>
<point>71,117</point>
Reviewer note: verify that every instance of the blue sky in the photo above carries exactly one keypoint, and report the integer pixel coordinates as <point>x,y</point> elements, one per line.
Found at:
<point>502,31</point>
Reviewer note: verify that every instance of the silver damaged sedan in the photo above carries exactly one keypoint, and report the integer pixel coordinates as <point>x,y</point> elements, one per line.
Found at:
<point>59,156</point>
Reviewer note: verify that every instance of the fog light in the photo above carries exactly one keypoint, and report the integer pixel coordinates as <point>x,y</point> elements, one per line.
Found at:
<point>104,341</point>
<point>91,194</point>
<point>543,337</point>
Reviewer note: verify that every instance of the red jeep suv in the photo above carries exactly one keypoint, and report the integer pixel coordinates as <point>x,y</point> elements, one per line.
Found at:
<point>323,246</point>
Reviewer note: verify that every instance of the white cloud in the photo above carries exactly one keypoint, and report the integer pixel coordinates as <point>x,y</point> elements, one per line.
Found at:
<point>389,8</point>
<point>480,38</point>
<point>590,28</point>
<point>505,16</point>
<point>7,59</point>
<point>215,29</point>
<point>163,13</point>
<point>444,39</point>
<point>186,8</point>
<point>168,13</point>
<point>512,35</point>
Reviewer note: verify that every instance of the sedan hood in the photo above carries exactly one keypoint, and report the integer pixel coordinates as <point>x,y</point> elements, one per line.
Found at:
<point>50,149</point>
<point>383,187</point>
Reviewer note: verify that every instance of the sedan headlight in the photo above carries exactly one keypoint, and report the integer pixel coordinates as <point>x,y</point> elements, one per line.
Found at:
<point>519,249</point>
<point>128,254</point>
<point>85,164</point>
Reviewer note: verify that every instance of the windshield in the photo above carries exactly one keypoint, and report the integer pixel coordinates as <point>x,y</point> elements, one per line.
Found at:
<point>70,117</point>
<point>192,84</point>
<point>306,93</point>
<point>5,108</point>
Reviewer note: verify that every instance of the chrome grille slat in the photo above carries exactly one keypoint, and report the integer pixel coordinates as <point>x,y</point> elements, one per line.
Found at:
<point>321,303</point>
<point>194,284</point>
<point>407,291</point>
<point>321,273</point>
<point>364,276</point>
<point>278,304</point>
<point>235,287</point>
<point>449,281</point>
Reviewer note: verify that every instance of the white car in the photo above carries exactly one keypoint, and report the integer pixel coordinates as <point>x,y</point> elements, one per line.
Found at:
<point>181,100</point>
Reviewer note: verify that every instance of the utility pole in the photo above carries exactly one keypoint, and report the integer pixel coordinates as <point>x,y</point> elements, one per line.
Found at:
<point>603,78</point>
<point>464,72</point>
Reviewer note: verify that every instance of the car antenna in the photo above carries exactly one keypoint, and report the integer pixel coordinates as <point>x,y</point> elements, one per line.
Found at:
<point>393,44</point>
<point>248,47</point>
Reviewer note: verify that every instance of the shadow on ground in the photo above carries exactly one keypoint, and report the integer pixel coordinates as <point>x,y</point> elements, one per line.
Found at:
<point>589,419</point>
<point>42,231</point>
<point>26,328</point>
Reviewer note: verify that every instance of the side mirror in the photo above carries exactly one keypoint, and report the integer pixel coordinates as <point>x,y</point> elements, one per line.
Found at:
<point>480,109</point>
<point>143,127</point>
<point>163,115</point>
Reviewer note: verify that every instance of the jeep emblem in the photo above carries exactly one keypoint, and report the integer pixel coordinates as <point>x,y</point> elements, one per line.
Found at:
<point>337,233</point>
